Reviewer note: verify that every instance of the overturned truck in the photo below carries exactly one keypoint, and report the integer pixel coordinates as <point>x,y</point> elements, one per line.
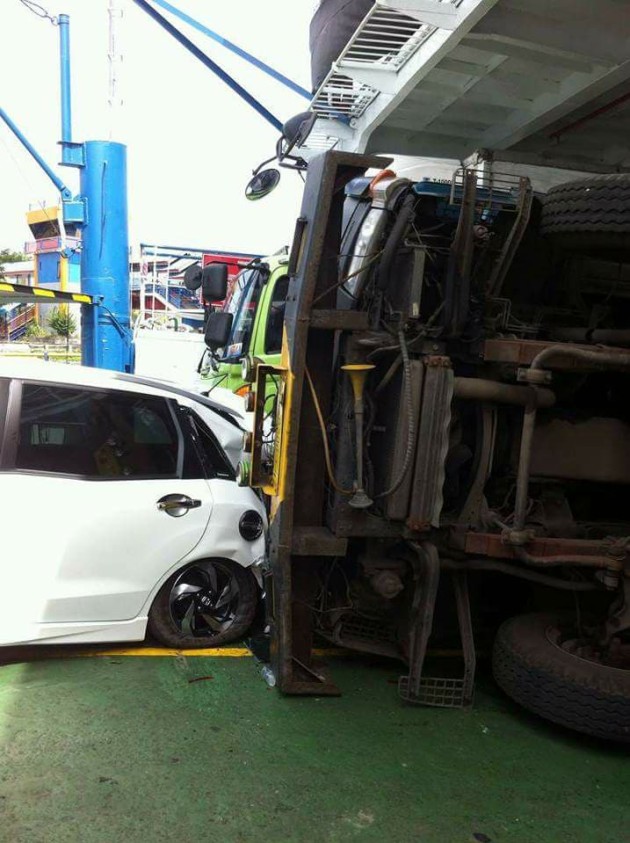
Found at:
<point>448,462</point>
<point>450,446</point>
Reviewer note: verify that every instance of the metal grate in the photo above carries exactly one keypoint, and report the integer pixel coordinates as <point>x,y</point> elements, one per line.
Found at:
<point>495,191</point>
<point>366,629</point>
<point>342,98</point>
<point>384,41</point>
<point>387,37</point>
<point>321,141</point>
<point>435,691</point>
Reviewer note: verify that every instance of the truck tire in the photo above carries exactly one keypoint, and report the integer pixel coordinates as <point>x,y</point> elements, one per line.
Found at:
<point>531,667</point>
<point>586,214</point>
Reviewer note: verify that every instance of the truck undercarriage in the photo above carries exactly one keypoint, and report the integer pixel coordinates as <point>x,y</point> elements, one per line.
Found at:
<point>451,423</point>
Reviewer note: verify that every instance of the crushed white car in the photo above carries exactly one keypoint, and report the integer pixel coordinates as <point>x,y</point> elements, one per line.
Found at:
<point>120,511</point>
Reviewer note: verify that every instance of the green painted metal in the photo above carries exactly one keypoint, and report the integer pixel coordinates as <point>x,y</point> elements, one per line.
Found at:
<point>137,749</point>
<point>228,373</point>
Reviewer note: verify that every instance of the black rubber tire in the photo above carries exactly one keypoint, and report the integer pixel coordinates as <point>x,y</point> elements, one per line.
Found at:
<point>566,689</point>
<point>587,214</point>
<point>162,627</point>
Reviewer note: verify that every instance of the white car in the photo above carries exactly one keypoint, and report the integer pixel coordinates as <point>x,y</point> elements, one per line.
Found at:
<point>119,511</point>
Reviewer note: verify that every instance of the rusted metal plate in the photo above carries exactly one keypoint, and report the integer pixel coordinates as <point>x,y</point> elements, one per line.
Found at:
<point>492,544</point>
<point>339,320</point>
<point>603,446</point>
<point>522,352</point>
<point>317,541</point>
<point>353,522</point>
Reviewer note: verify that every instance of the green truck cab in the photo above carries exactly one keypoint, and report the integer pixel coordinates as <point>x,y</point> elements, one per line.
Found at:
<point>256,307</point>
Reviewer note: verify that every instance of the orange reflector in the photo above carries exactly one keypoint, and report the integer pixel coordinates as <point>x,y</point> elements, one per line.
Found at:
<point>383,174</point>
<point>242,390</point>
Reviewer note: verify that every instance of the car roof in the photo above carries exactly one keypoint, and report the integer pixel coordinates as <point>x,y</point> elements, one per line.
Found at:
<point>61,373</point>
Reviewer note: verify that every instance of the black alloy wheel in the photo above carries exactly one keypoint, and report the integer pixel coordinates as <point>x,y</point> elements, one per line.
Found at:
<point>205,604</point>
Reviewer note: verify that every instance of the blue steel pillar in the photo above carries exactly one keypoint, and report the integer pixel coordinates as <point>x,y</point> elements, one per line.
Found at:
<point>106,334</point>
<point>64,65</point>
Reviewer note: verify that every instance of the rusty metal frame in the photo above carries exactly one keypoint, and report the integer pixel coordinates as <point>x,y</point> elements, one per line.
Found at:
<point>300,504</point>
<point>417,687</point>
<point>457,290</point>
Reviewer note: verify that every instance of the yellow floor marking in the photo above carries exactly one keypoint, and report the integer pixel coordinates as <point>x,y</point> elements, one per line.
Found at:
<point>210,652</point>
<point>225,652</point>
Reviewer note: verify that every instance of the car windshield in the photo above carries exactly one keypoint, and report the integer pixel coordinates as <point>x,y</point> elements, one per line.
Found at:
<point>242,305</point>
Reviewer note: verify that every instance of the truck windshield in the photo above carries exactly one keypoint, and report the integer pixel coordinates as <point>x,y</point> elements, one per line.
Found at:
<point>242,305</point>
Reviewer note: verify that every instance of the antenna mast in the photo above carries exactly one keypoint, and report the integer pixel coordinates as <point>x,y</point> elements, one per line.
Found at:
<point>114,56</point>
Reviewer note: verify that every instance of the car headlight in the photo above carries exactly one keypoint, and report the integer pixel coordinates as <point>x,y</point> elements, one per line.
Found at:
<point>251,525</point>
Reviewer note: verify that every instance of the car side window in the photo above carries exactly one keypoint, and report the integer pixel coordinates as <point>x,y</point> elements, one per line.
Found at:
<point>96,433</point>
<point>216,463</point>
<point>275,319</point>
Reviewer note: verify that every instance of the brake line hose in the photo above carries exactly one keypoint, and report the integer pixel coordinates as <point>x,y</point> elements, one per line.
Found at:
<point>322,427</point>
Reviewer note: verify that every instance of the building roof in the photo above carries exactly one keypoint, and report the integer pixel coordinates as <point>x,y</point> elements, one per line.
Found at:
<point>18,268</point>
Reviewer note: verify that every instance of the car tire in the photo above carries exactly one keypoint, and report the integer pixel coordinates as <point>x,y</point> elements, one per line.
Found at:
<point>587,214</point>
<point>534,670</point>
<point>173,623</point>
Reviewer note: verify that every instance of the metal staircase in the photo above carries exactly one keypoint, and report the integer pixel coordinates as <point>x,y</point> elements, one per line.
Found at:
<point>171,299</point>
<point>15,327</point>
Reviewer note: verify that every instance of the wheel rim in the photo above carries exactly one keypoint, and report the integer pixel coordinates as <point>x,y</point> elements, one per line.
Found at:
<point>570,641</point>
<point>204,600</point>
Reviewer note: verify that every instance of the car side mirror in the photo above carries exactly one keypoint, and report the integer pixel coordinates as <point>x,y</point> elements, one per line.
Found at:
<point>214,281</point>
<point>218,327</point>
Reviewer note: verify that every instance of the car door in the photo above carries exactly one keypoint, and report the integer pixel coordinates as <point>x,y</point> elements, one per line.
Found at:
<point>101,499</point>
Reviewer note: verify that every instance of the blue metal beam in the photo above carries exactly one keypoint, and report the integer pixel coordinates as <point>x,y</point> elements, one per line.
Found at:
<point>64,66</point>
<point>229,45</point>
<point>66,193</point>
<point>211,65</point>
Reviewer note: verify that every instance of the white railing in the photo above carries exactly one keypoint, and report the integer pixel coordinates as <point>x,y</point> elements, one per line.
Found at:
<point>383,43</point>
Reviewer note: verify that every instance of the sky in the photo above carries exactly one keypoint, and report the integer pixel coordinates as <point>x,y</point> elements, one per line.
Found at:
<point>192,143</point>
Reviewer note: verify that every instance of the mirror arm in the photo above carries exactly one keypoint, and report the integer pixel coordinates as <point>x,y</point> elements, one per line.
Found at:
<point>264,163</point>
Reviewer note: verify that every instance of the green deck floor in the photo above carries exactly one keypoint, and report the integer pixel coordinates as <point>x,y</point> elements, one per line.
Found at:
<point>132,749</point>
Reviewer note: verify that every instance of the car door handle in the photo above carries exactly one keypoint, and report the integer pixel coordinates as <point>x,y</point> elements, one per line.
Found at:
<point>177,505</point>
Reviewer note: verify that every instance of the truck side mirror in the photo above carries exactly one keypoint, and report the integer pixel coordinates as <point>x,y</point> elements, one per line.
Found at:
<point>262,184</point>
<point>214,281</point>
<point>218,327</point>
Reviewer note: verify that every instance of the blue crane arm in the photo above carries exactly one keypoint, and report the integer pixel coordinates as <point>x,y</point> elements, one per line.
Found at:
<point>229,45</point>
<point>61,187</point>
<point>211,65</point>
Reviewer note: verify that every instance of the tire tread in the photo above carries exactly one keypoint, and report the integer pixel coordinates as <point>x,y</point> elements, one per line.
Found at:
<point>558,686</point>
<point>589,213</point>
